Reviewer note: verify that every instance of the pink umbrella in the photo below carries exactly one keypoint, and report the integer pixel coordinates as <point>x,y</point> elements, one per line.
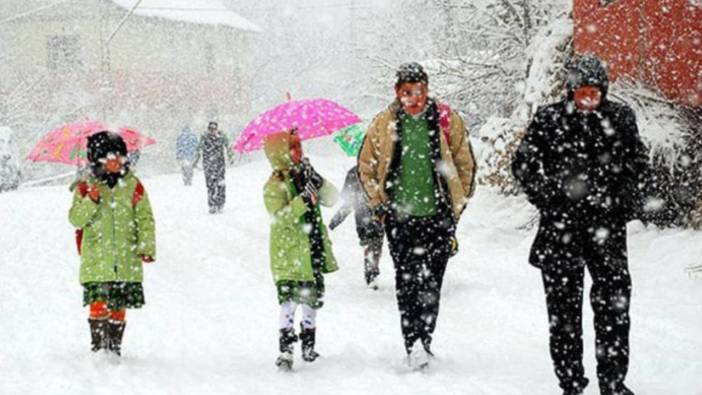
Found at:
<point>67,144</point>
<point>312,118</point>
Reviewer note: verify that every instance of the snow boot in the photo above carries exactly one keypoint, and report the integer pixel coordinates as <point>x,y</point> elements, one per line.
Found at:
<point>307,338</point>
<point>418,359</point>
<point>620,389</point>
<point>577,388</point>
<point>98,334</point>
<point>286,340</point>
<point>426,342</point>
<point>116,331</point>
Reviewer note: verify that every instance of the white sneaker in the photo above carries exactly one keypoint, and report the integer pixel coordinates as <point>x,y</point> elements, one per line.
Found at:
<point>418,358</point>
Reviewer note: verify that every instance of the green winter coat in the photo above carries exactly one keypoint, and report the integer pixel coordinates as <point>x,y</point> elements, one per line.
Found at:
<point>290,255</point>
<point>115,232</point>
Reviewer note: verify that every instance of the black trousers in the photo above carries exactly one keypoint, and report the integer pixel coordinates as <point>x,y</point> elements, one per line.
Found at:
<point>420,248</point>
<point>216,190</point>
<point>602,250</point>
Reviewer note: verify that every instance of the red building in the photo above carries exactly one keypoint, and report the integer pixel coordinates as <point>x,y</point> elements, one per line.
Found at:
<point>658,42</point>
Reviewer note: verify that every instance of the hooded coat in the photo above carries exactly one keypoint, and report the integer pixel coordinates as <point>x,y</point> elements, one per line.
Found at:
<point>581,170</point>
<point>115,231</point>
<point>186,145</point>
<point>290,246</point>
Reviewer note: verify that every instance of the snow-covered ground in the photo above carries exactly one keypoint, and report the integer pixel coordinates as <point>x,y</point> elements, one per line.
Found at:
<point>210,323</point>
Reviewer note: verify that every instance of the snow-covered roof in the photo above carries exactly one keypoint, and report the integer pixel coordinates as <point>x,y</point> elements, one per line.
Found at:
<point>208,12</point>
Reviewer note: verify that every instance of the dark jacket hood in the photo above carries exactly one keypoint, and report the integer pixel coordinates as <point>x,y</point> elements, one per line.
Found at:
<point>585,70</point>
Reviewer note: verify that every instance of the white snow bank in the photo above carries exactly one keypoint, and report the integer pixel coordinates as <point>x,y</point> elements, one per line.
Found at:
<point>209,12</point>
<point>210,322</point>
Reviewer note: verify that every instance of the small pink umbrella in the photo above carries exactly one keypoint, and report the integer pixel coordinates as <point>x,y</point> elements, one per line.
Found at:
<point>312,118</point>
<point>67,144</point>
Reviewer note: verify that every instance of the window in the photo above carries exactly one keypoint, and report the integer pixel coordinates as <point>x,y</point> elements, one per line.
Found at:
<point>605,3</point>
<point>209,59</point>
<point>63,53</point>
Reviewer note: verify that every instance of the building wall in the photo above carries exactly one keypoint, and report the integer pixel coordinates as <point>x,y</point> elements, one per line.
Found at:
<point>161,74</point>
<point>655,41</point>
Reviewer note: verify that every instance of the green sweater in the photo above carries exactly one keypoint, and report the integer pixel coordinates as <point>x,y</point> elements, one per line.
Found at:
<point>414,194</point>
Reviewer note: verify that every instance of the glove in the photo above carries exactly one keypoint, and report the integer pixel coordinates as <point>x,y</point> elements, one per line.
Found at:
<point>146,258</point>
<point>454,246</point>
<point>311,175</point>
<point>309,195</point>
<point>379,213</point>
<point>94,193</point>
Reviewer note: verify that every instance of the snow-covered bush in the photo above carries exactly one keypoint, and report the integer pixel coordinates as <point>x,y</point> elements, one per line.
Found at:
<point>486,49</point>
<point>672,133</point>
<point>543,83</point>
<point>9,160</point>
<point>499,140</point>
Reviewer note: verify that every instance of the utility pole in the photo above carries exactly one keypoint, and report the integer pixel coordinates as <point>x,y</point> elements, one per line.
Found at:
<point>105,84</point>
<point>352,24</point>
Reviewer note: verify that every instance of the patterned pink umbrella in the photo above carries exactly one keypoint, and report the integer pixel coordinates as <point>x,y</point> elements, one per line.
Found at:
<point>312,118</point>
<point>67,144</point>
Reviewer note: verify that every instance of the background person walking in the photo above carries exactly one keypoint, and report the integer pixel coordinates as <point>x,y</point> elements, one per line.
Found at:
<point>214,150</point>
<point>186,153</point>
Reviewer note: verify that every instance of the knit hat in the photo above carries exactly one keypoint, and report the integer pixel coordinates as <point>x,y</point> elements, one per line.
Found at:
<point>411,73</point>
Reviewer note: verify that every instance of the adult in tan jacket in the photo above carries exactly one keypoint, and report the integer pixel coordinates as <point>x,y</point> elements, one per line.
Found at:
<point>417,168</point>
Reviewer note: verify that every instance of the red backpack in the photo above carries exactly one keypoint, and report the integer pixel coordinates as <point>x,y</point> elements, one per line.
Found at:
<point>83,190</point>
<point>445,120</point>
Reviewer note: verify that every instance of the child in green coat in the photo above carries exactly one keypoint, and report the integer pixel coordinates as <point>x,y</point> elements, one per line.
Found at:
<point>300,249</point>
<point>112,213</point>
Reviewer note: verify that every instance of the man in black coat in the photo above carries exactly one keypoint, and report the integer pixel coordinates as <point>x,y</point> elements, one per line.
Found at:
<point>213,148</point>
<point>582,164</point>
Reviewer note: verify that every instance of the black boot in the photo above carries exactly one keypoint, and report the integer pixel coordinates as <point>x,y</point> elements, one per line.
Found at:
<point>286,340</point>
<point>426,342</point>
<point>307,337</point>
<point>577,387</point>
<point>98,334</point>
<point>617,389</point>
<point>116,331</point>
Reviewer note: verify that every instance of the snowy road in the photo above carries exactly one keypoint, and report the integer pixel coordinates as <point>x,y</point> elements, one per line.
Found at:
<point>210,323</point>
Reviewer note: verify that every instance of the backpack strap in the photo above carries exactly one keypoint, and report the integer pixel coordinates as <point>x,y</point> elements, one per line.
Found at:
<point>445,121</point>
<point>138,194</point>
<point>83,191</point>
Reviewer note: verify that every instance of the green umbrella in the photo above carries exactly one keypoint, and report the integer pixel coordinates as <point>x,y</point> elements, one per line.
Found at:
<point>350,139</point>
